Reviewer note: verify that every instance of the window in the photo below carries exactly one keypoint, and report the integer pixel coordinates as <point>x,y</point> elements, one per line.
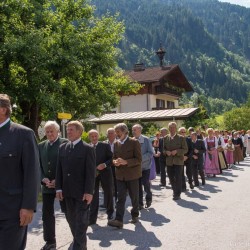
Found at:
<point>170,105</point>
<point>160,103</point>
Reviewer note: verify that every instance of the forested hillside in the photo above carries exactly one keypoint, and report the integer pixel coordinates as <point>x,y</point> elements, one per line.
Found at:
<point>210,41</point>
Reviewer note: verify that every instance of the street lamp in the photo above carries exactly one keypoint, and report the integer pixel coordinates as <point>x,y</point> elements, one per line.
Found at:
<point>161,53</point>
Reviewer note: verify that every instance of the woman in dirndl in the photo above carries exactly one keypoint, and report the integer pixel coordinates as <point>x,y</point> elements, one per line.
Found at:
<point>211,166</point>
<point>238,145</point>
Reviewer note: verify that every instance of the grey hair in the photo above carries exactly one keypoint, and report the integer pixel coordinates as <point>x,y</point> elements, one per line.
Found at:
<point>110,129</point>
<point>52,124</point>
<point>121,126</point>
<point>181,128</point>
<point>163,129</point>
<point>138,126</point>
<point>93,131</point>
<point>172,124</point>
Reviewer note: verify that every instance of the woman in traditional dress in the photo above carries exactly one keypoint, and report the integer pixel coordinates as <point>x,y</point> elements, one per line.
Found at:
<point>211,158</point>
<point>238,145</point>
<point>220,149</point>
<point>157,152</point>
<point>230,153</point>
<point>248,143</point>
<point>226,136</point>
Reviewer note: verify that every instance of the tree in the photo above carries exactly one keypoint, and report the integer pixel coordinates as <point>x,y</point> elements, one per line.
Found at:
<point>57,56</point>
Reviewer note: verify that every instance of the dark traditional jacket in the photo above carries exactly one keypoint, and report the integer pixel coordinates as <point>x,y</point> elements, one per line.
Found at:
<point>48,155</point>
<point>19,164</point>
<point>76,170</point>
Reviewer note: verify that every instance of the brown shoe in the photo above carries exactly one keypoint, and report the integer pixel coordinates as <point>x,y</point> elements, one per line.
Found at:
<point>115,223</point>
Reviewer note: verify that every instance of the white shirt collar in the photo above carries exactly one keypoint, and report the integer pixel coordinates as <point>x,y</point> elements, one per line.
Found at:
<point>51,143</point>
<point>91,144</point>
<point>76,141</point>
<point>122,142</point>
<point>4,123</point>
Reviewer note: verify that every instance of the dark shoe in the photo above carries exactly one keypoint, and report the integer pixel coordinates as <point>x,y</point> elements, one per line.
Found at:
<point>191,185</point>
<point>148,204</point>
<point>162,185</point>
<point>197,184</point>
<point>140,207</point>
<point>110,217</point>
<point>48,246</point>
<point>102,207</point>
<point>134,220</point>
<point>115,223</point>
<point>175,198</point>
<point>203,182</point>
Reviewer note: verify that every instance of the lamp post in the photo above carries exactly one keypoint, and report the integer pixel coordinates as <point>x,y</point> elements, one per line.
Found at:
<point>161,53</point>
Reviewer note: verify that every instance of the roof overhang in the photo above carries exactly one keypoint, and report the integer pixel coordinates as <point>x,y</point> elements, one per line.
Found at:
<point>156,115</point>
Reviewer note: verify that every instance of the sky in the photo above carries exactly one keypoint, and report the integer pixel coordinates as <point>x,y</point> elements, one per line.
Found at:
<point>245,3</point>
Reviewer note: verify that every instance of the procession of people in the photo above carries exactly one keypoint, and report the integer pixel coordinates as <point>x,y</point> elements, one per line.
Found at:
<point>74,172</point>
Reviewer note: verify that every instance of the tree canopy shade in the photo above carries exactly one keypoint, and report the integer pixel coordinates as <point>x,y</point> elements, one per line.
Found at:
<point>57,56</point>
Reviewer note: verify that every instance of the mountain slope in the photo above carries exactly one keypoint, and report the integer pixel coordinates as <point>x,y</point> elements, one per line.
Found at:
<point>191,40</point>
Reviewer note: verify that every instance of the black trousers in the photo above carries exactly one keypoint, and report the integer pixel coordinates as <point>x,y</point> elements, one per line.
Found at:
<point>189,174</point>
<point>114,183</point>
<point>106,178</point>
<point>77,215</point>
<point>163,171</point>
<point>48,217</point>
<point>157,165</point>
<point>133,190</point>
<point>144,182</point>
<point>12,236</point>
<point>175,177</point>
<point>197,168</point>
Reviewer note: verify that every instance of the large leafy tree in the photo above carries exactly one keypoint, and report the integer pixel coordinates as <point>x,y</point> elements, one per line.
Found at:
<point>57,56</point>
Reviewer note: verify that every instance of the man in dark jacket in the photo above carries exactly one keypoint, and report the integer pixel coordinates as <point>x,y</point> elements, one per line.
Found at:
<point>103,175</point>
<point>19,179</point>
<point>75,181</point>
<point>197,163</point>
<point>48,153</point>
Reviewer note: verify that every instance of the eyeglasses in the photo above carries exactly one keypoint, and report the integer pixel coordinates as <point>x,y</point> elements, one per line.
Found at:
<point>183,132</point>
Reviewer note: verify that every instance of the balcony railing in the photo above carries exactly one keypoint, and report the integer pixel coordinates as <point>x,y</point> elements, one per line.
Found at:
<point>166,90</point>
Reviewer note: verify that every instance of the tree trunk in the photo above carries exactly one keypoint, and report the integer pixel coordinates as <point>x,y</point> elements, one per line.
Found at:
<point>31,115</point>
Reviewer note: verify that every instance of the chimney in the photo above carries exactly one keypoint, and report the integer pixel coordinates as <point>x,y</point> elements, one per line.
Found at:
<point>139,67</point>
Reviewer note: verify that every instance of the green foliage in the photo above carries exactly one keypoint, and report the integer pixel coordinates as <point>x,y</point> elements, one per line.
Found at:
<point>57,56</point>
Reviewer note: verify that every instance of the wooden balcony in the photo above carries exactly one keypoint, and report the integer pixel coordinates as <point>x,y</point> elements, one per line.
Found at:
<point>165,90</point>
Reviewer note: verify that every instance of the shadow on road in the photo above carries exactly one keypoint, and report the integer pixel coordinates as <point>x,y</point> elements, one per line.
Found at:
<point>140,238</point>
<point>195,194</point>
<point>191,205</point>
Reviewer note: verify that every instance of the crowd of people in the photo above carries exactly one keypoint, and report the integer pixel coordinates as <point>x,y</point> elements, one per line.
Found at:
<point>73,171</point>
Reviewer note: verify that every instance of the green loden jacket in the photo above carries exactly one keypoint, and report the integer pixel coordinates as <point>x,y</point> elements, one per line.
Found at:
<point>177,143</point>
<point>48,155</point>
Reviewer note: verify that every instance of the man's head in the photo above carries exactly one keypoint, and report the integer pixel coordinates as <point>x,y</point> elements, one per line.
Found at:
<point>93,136</point>
<point>193,136</point>
<point>182,131</point>
<point>5,106</point>
<point>190,130</point>
<point>172,126</point>
<point>111,134</point>
<point>121,131</point>
<point>163,131</point>
<point>136,130</point>
<point>74,130</point>
<point>52,130</point>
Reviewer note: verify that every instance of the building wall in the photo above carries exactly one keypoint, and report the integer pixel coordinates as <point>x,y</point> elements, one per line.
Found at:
<point>135,103</point>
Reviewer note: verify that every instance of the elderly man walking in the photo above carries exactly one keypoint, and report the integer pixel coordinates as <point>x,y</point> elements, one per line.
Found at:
<point>175,147</point>
<point>147,154</point>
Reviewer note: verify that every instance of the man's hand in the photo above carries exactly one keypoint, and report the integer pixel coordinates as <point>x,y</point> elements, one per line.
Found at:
<point>45,181</point>
<point>51,184</point>
<point>196,151</point>
<point>174,152</point>
<point>119,161</point>
<point>88,198</point>
<point>168,153</point>
<point>26,216</point>
<point>59,196</point>
<point>185,157</point>
<point>101,166</point>
<point>195,157</point>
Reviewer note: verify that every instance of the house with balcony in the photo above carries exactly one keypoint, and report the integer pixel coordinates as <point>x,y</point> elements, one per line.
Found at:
<point>157,101</point>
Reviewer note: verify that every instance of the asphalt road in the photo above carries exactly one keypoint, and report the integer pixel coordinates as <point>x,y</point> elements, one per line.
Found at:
<point>210,217</point>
